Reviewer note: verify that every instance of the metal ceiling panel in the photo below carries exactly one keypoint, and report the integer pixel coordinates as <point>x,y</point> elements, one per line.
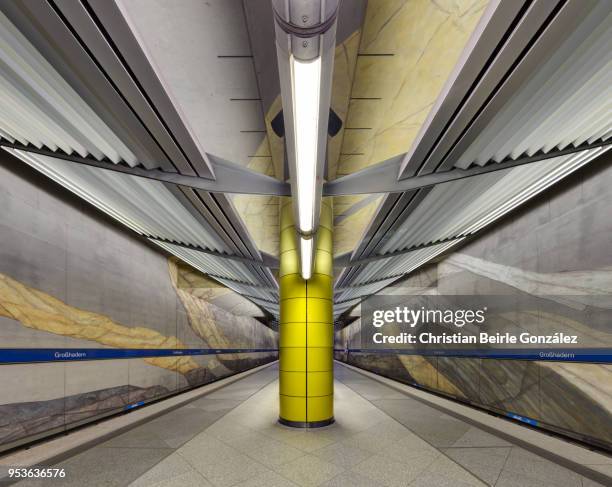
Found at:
<point>463,207</point>
<point>353,292</point>
<point>489,35</point>
<point>555,93</point>
<point>64,79</point>
<point>340,308</point>
<point>211,266</point>
<point>38,107</point>
<point>567,101</point>
<point>272,308</point>
<point>400,265</point>
<point>149,208</point>
<point>56,43</point>
<point>115,25</point>
<point>456,210</point>
<point>144,205</point>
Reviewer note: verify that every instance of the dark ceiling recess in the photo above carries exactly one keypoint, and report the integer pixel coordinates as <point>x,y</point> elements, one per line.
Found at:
<point>333,127</point>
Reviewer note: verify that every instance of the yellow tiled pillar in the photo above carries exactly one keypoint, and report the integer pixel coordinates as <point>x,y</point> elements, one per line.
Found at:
<point>306,327</point>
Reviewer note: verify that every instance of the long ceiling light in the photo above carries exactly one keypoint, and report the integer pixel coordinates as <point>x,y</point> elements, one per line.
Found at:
<point>306,89</point>
<point>305,45</point>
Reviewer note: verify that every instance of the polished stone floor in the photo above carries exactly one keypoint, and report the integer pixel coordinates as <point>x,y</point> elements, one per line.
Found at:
<point>381,438</point>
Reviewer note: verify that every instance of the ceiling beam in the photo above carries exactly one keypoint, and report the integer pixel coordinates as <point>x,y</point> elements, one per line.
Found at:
<point>230,177</point>
<point>382,178</point>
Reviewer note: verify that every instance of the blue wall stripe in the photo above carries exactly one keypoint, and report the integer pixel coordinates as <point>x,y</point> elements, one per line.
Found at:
<point>29,355</point>
<point>134,405</point>
<point>522,419</point>
<point>591,355</point>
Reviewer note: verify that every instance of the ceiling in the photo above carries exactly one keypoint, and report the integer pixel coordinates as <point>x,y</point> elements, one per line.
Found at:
<point>521,89</point>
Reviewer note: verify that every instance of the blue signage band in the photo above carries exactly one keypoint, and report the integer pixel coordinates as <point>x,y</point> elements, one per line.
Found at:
<point>590,355</point>
<point>522,419</point>
<point>30,355</point>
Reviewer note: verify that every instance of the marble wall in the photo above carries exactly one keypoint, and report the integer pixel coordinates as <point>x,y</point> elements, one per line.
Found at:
<point>557,251</point>
<point>69,278</point>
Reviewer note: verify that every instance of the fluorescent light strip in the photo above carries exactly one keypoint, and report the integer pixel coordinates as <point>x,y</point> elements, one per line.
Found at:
<point>306,86</point>
<point>306,257</point>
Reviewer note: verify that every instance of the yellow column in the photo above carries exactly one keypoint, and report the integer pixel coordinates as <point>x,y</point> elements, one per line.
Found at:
<point>306,327</point>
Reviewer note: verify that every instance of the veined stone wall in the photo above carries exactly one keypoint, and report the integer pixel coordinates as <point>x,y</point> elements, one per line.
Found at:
<point>559,245</point>
<point>72,279</point>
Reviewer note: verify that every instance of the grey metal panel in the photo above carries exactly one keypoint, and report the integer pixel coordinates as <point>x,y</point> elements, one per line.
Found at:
<point>518,122</point>
<point>381,177</point>
<point>378,257</point>
<point>489,32</point>
<point>222,210</point>
<point>402,264</point>
<point>408,203</point>
<point>476,78</point>
<point>269,260</point>
<point>558,96</point>
<point>98,45</point>
<point>377,223</point>
<point>231,178</point>
<point>113,86</point>
<point>262,293</point>
<point>117,28</point>
<point>40,108</point>
<point>462,207</point>
<point>145,206</point>
<point>394,208</point>
<point>340,308</point>
<point>350,293</point>
<point>198,206</point>
<point>49,35</point>
<point>459,209</point>
<point>212,266</point>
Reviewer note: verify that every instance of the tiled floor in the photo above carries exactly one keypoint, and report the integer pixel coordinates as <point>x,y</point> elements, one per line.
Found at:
<point>381,438</point>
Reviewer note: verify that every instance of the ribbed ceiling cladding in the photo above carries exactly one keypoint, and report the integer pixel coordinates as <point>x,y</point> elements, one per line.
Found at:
<point>227,273</point>
<point>149,208</point>
<point>459,209</point>
<point>550,99</point>
<point>463,207</point>
<point>349,293</point>
<point>566,102</point>
<point>38,107</point>
<point>65,113</point>
<point>144,205</point>
<point>400,265</point>
<point>211,265</point>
